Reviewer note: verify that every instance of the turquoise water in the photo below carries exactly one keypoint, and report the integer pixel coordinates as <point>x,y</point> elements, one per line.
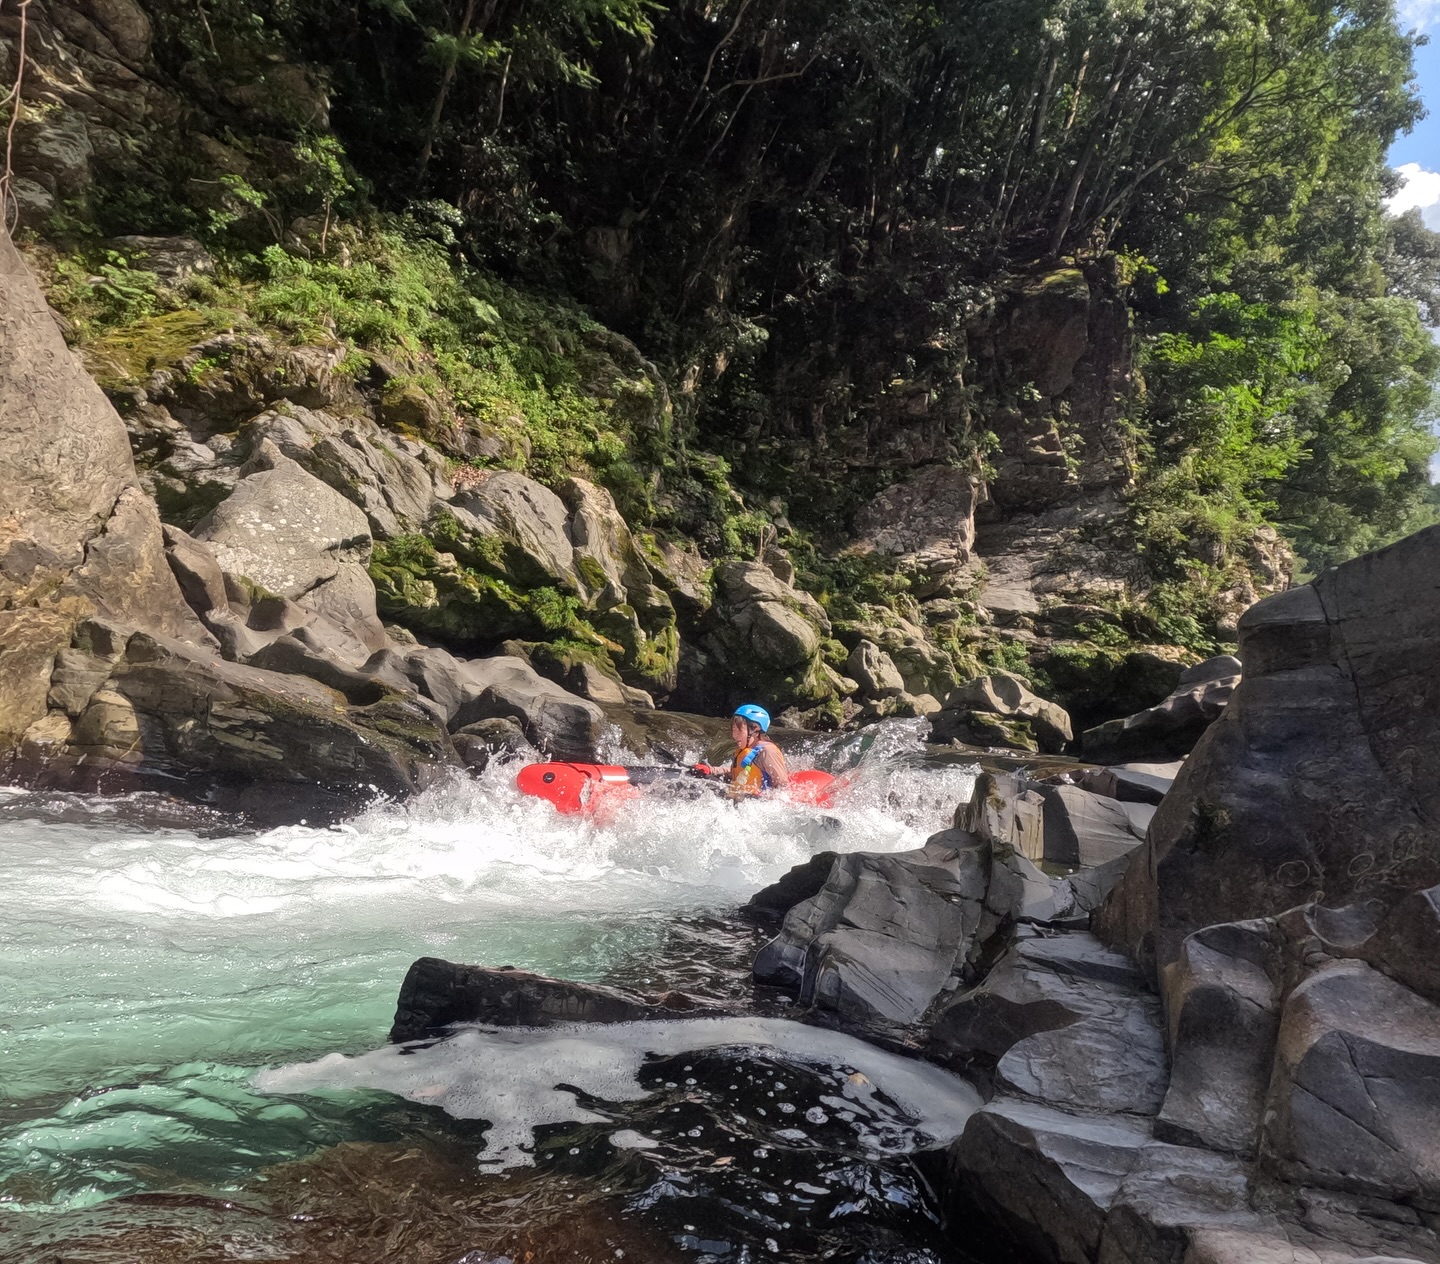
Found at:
<point>148,973</point>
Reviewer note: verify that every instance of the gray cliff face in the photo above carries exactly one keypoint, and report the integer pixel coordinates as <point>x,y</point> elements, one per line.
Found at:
<point>1254,1079</point>
<point>1322,778</point>
<point>77,535</point>
<point>247,658</point>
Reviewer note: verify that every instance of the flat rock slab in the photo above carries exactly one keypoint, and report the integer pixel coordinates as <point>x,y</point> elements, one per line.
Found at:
<point>1074,1188</point>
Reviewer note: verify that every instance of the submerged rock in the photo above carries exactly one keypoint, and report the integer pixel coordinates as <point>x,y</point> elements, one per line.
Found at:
<point>438,993</point>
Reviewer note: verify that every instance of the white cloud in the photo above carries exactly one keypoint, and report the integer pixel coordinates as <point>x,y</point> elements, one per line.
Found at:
<point>1417,15</point>
<point>1420,188</point>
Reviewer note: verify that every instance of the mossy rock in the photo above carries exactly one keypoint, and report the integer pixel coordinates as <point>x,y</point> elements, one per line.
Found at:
<point>131,353</point>
<point>982,728</point>
<point>422,589</point>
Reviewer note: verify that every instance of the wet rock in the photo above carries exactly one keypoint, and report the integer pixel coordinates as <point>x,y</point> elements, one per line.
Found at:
<point>802,882</point>
<point>438,993</point>
<point>477,744</point>
<point>1322,773</point>
<point>75,678</point>
<point>885,932</point>
<point>173,714</point>
<point>1172,727</point>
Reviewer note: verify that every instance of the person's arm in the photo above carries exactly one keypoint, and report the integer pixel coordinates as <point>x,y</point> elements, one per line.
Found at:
<point>772,760</point>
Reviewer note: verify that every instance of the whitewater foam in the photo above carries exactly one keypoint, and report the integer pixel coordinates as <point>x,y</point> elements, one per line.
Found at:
<point>520,1079</point>
<point>129,949</point>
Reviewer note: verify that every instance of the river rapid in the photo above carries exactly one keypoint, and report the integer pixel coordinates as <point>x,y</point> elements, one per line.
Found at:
<point>192,1023</point>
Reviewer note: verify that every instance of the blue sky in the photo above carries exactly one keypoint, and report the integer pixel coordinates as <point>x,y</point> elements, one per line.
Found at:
<point>1417,156</point>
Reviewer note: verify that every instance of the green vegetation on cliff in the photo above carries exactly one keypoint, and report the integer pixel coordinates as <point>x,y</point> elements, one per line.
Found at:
<point>745,265</point>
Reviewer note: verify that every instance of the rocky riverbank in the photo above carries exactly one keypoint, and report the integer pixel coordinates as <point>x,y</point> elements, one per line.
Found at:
<point>1216,1041</point>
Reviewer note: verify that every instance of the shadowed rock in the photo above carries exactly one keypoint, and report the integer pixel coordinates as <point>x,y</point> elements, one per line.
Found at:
<point>1323,774</point>
<point>438,993</point>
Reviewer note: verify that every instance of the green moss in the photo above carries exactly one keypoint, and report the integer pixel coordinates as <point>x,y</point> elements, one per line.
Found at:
<point>128,354</point>
<point>591,572</point>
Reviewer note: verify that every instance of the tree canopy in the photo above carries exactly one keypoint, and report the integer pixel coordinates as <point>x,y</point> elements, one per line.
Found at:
<point>790,203</point>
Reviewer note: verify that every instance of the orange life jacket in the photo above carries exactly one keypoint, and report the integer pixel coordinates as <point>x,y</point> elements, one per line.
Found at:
<point>747,772</point>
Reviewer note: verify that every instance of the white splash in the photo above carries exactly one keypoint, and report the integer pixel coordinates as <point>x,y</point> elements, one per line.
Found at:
<point>512,1077</point>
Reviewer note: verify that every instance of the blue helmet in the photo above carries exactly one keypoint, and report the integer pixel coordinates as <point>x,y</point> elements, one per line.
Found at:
<point>756,715</point>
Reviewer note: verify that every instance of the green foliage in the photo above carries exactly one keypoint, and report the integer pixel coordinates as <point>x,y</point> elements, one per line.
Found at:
<point>809,215</point>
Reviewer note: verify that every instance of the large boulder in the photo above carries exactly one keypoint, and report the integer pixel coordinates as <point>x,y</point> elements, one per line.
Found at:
<point>766,637</point>
<point>1001,710</point>
<point>1323,773</point>
<point>393,479</point>
<point>629,606</point>
<point>889,934</point>
<point>77,537</point>
<point>1063,1019</point>
<point>1172,727</point>
<point>169,711</point>
<point>553,719</point>
<point>1058,823</point>
<point>1354,1102</point>
<point>874,671</point>
<point>1067,1188</point>
<point>885,933</point>
<point>284,529</point>
<point>528,528</point>
<point>1224,996</point>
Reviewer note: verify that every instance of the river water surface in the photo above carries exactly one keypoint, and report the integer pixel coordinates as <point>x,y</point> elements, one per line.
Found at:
<point>188,1015</point>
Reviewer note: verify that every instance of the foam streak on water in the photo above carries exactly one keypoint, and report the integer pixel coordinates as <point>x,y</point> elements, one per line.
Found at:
<point>147,972</point>
<point>514,1078</point>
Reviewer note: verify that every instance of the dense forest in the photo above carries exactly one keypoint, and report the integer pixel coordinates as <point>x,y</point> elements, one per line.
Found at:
<point>807,215</point>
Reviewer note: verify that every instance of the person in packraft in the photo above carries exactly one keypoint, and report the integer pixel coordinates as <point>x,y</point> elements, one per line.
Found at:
<point>759,764</point>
